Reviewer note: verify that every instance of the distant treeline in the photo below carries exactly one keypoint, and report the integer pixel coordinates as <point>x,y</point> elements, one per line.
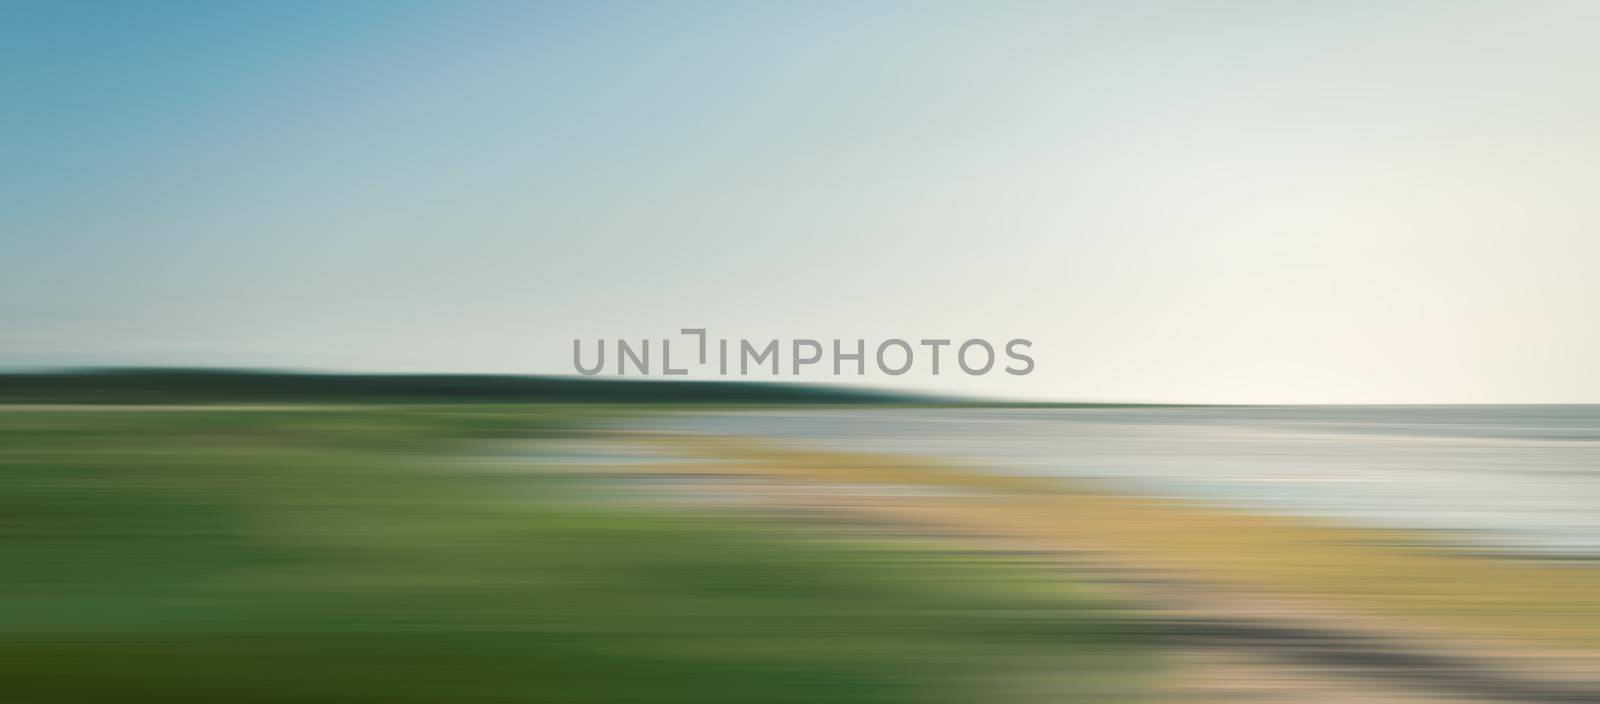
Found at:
<point>167,386</point>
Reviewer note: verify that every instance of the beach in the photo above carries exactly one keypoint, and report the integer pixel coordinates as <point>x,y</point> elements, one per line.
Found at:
<point>1311,591</point>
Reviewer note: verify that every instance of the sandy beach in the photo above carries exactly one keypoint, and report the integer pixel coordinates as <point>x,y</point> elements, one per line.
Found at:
<point>1262,607</point>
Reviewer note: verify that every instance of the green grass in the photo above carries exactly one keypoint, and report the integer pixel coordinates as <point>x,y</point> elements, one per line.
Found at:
<point>354,556</point>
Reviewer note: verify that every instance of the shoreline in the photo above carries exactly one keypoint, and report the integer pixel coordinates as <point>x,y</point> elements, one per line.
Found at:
<point>1365,607</point>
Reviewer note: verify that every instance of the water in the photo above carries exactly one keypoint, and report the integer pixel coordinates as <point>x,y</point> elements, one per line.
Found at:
<point>1522,478</point>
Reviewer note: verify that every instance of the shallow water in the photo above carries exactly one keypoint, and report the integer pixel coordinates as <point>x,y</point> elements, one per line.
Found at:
<point>1523,478</point>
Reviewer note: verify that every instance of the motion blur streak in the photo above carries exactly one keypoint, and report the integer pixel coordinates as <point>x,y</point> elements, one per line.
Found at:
<point>320,554</point>
<point>871,551</point>
<point>1286,553</point>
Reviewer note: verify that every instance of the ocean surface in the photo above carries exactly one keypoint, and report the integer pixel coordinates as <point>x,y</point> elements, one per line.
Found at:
<point>1506,478</point>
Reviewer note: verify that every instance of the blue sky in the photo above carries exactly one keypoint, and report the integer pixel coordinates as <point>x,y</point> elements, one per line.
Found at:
<point>1247,202</point>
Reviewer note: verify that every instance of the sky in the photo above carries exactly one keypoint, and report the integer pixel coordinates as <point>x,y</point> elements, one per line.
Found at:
<point>1241,202</point>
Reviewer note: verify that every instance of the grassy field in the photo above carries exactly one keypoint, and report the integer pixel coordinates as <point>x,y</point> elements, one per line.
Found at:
<point>326,555</point>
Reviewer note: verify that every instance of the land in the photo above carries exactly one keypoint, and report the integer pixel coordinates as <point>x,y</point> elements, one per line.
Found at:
<point>312,553</point>
<point>196,535</point>
<point>141,386</point>
<point>1356,614</point>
